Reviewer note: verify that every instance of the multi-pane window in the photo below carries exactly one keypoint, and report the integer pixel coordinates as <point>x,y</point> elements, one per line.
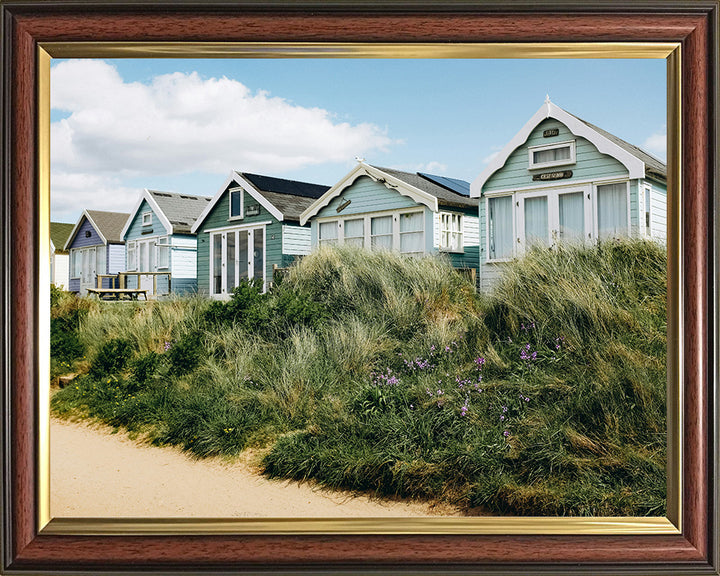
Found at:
<point>163,252</point>
<point>536,220</point>
<point>236,203</point>
<point>412,235</point>
<point>551,155</point>
<point>355,232</point>
<point>381,233</point>
<point>648,230</point>
<point>328,232</point>
<point>451,232</point>
<point>612,210</point>
<point>131,256</point>
<point>76,264</point>
<point>500,227</point>
<point>571,216</point>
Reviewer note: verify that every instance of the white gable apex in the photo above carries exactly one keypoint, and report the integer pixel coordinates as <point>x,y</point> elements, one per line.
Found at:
<point>634,165</point>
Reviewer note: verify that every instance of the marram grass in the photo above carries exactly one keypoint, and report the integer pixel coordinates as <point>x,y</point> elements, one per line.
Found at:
<point>371,371</point>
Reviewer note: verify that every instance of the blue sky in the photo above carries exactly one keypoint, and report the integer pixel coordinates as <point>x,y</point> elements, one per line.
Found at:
<point>119,126</point>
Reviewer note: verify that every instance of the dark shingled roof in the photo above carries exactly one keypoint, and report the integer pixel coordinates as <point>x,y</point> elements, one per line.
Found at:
<point>109,224</point>
<point>59,233</point>
<point>445,196</point>
<point>181,209</point>
<point>653,166</point>
<point>289,196</point>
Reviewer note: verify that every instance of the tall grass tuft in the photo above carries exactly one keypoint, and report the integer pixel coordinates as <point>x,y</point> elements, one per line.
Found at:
<point>373,371</point>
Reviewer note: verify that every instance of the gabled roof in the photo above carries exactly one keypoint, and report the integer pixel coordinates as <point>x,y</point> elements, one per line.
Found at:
<point>59,233</point>
<point>284,199</point>
<point>423,188</point>
<point>177,212</point>
<point>108,225</point>
<point>638,162</point>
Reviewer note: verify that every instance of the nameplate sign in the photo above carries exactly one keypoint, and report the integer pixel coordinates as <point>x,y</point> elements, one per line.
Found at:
<point>552,175</point>
<point>252,210</point>
<point>550,132</point>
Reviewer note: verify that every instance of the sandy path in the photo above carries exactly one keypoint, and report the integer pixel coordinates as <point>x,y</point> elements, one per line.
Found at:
<point>98,474</point>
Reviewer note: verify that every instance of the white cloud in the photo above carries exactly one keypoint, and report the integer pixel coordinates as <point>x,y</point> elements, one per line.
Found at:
<point>490,157</point>
<point>657,143</point>
<point>74,192</point>
<point>180,123</point>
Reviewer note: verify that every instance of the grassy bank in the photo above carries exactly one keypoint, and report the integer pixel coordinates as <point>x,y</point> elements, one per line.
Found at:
<point>374,372</point>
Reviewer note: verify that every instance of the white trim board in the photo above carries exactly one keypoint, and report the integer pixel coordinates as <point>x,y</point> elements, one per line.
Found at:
<point>146,195</point>
<point>77,228</point>
<point>236,177</point>
<point>376,174</point>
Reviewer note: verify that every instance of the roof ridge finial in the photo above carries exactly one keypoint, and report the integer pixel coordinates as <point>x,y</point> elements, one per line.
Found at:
<point>547,98</point>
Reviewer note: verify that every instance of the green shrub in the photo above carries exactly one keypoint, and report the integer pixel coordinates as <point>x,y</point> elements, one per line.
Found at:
<point>186,353</point>
<point>112,358</point>
<point>145,367</point>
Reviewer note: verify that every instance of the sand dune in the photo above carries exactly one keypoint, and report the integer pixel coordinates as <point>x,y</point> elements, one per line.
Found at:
<point>95,473</point>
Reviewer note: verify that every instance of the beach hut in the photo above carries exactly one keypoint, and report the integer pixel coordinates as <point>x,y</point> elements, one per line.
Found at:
<point>59,257</point>
<point>413,213</point>
<point>250,229</point>
<point>562,179</point>
<point>96,250</point>
<point>161,249</point>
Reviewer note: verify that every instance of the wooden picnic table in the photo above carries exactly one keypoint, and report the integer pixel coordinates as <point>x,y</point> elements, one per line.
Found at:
<point>118,293</point>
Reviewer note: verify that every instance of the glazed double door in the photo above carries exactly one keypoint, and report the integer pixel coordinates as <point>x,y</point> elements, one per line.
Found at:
<point>552,216</point>
<point>236,255</point>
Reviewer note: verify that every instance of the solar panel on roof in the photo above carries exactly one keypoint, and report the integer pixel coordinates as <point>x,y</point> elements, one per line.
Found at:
<point>453,184</point>
<point>282,186</point>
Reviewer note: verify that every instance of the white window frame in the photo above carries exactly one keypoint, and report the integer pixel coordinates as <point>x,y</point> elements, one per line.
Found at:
<point>330,241</point>
<point>162,244</point>
<point>241,191</point>
<point>131,255</point>
<point>596,225</point>
<point>223,232</point>
<point>461,226</point>
<point>553,205</point>
<point>513,218</point>
<point>75,261</point>
<point>147,219</point>
<point>361,218</point>
<point>539,165</point>
<point>647,198</point>
<point>366,227</point>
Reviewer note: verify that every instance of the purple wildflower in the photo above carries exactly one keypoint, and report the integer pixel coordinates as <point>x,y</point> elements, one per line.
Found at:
<point>480,362</point>
<point>167,346</point>
<point>506,433</point>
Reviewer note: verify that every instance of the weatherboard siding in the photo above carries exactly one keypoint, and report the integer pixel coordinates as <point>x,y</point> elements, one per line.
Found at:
<point>183,257</point>
<point>136,229</point>
<point>81,241</point>
<point>295,240</point>
<point>658,212</point>
<point>590,164</point>
<point>365,196</point>
<point>116,258</point>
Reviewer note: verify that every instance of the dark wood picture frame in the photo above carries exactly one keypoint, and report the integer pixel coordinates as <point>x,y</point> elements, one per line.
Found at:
<point>28,23</point>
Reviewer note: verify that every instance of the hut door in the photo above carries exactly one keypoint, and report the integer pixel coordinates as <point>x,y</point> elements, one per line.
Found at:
<point>236,255</point>
<point>87,277</point>
<point>547,217</point>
